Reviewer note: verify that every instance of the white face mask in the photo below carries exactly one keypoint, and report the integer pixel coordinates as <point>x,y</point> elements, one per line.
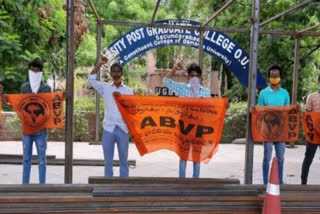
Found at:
<point>195,85</point>
<point>35,80</point>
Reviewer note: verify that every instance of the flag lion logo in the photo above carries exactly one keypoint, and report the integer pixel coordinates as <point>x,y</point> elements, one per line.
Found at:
<point>35,111</point>
<point>270,123</point>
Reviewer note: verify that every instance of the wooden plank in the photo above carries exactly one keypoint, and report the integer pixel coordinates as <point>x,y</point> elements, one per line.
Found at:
<point>194,197</point>
<point>87,198</point>
<point>214,207</point>
<point>185,192</point>
<point>134,206</point>
<point>46,188</point>
<point>60,162</point>
<point>202,183</point>
<point>220,186</point>
<point>158,180</point>
<point>18,156</point>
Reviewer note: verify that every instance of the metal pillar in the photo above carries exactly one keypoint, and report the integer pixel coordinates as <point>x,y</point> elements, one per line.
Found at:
<point>98,18</point>
<point>295,75</point>
<point>201,48</point>
<point>254,40</point>
<point>99,34</point>
<point>215,14</point>
<point>155,11</point>
<point>208,28</point>
<point>296,70</point>
<point>69,87</point>
<point>309,28</point>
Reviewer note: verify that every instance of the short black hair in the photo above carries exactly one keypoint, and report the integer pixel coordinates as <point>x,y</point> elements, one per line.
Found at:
<point>274,67</point>
<point>36,63</point>
<point>319,78</point>
<point>194,67</point>
<point>116,65</point>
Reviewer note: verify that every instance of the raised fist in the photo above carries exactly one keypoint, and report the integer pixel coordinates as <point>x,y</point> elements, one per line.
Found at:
<point>103,60</point>
<point>178,66</point>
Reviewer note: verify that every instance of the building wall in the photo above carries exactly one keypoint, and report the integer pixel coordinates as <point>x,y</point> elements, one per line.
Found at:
<point>155,79</point>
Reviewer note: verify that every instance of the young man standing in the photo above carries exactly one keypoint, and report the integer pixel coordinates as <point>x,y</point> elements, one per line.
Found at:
<point>312,105</point>
<point>114,128</point>
<point>273,95</point>
<point>193,89</point>
<point>35,85</point>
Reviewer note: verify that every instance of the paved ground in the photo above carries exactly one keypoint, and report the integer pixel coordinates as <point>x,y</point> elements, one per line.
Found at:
<point>227,163</point>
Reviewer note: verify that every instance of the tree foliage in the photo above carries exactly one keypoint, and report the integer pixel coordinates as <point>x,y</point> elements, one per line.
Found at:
<point>31,28</point>
<point>272,49</point>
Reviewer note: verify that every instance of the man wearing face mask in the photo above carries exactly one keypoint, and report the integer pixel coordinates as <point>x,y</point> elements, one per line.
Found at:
<point>192,89</point>
<point>312,105</point>
<point>114,127</point>
<point>273,95</point>
<point>34,86</point>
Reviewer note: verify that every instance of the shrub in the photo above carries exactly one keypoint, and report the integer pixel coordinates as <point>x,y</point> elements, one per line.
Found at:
<point>235,122</point>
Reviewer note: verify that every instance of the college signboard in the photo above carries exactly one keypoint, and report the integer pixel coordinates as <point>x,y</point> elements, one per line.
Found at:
<point>217,44</point>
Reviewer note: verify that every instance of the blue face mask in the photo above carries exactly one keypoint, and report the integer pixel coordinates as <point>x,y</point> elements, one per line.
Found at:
<point>319,88</point>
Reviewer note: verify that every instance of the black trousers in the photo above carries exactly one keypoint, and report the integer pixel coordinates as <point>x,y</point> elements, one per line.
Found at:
<point>308,158</point>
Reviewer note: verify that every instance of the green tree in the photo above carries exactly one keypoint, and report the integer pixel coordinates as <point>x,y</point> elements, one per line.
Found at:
<point>272,49</point>
<point>29,29</point>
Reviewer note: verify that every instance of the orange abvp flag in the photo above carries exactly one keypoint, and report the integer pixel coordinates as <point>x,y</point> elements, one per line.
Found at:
<point>38,111</point>
<point>276,123</point>
<point>311,127</point>
<point>191,127</point>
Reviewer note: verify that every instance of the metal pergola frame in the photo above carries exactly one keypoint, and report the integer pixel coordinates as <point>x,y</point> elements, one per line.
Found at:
<point>254,36</point>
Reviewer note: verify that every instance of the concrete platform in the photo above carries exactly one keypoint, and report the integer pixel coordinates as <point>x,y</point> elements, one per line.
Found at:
<point>227,163</point>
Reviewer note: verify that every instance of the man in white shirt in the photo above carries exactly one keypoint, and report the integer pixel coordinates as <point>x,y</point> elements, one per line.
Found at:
<point>114,127</point>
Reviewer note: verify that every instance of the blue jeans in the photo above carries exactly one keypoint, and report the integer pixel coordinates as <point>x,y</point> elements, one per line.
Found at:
<point>280,149</point>
<point>308,158</point>
<point>40,138</point>
<point>182,169</point>
<point>108,141</point>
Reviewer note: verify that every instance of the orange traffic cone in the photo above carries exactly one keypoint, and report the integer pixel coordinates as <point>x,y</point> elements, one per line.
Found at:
<point>272,203</point>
